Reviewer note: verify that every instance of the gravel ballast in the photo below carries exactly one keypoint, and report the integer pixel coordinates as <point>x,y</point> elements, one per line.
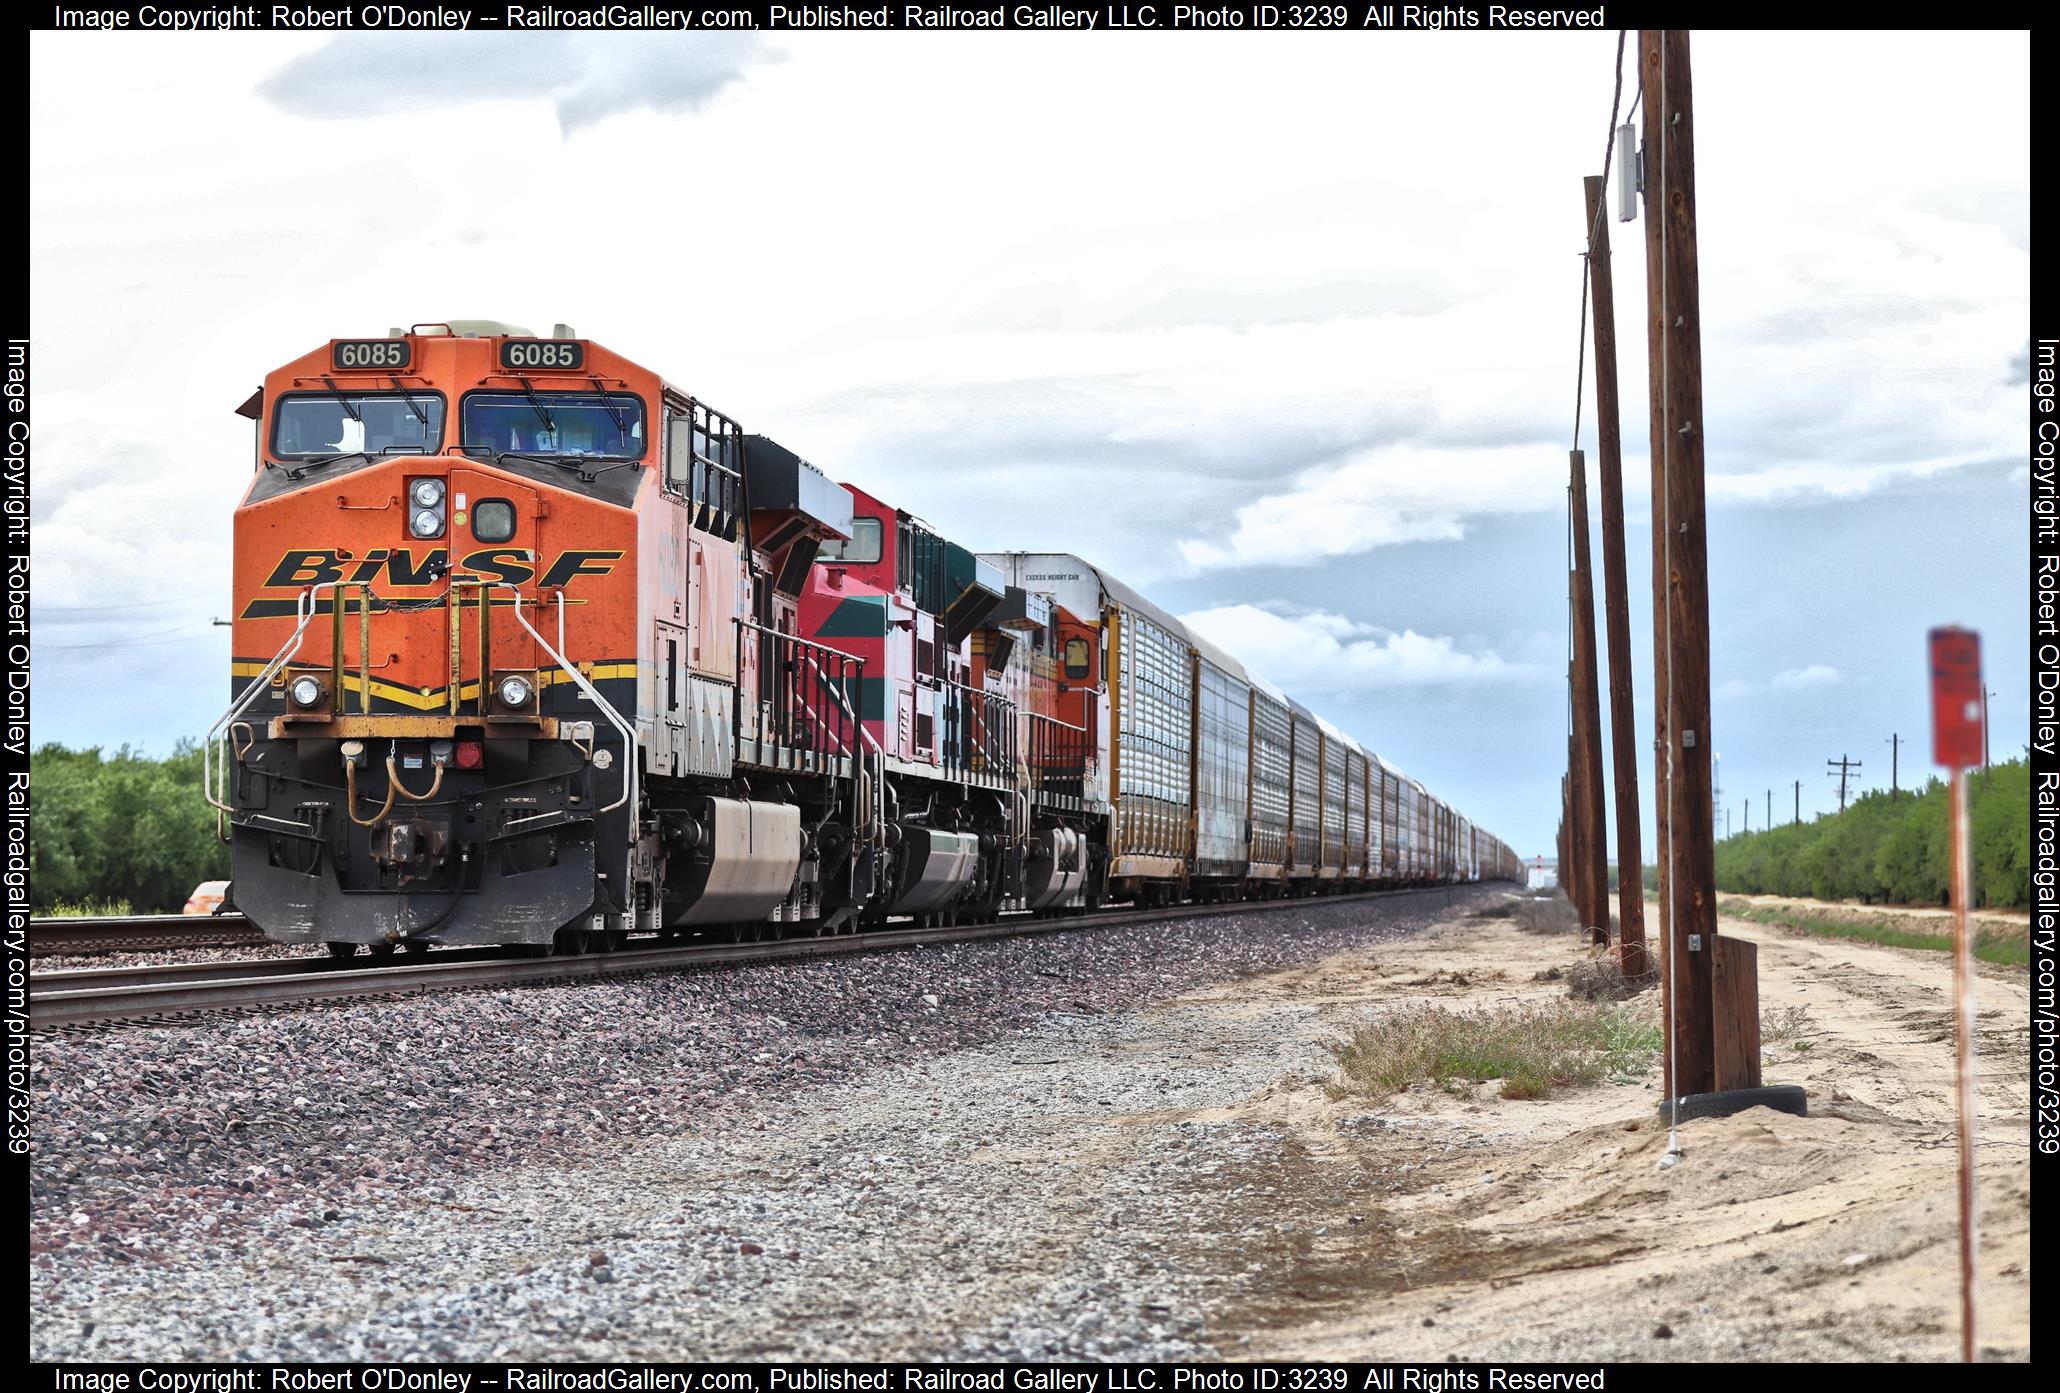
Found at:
<point>835,1158</point>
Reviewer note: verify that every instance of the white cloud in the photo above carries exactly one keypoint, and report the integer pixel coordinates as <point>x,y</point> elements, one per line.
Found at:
<point>586,77</point>
<point>1316,651</point>
<point>1799,679</point>
<point>1381,497</point>
<point>1815,675</point>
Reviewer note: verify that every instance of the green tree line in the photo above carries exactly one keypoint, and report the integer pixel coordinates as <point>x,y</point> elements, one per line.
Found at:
<point>1894,849</point>
<point>118,827</point>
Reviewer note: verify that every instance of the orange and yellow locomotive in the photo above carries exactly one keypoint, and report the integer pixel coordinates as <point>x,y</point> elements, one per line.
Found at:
<point>533,648</point>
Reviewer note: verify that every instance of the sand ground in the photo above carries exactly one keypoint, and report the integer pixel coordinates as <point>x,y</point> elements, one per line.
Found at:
<point>1435,1226</point>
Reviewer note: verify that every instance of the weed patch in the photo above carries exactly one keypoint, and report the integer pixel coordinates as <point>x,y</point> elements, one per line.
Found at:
<point>1530,1049</point>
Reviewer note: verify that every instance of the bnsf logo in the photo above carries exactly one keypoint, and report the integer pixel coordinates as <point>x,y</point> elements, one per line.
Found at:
<point>299,569</point>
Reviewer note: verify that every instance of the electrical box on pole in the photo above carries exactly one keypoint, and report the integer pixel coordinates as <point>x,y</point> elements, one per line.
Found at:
<point>1629,181</point>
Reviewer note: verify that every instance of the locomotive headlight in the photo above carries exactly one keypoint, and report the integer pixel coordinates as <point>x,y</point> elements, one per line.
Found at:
<point>515,692</point>
<point>305,691</point>
<point>427,498</point>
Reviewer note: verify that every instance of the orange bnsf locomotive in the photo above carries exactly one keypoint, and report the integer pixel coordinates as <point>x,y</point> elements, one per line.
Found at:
<point>533,648</point>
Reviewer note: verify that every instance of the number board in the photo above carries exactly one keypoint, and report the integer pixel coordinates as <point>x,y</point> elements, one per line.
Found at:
<point>359,355</point>
<point>543,355</point>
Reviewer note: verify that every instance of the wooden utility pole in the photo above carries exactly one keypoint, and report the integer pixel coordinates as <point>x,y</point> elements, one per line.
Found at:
<point>1895,743</point>
<point>1845,768</point>
<point>1662,714</point>
<point>1590,821</point>
<point>1798,800</point>
<point>1616,593</point>
<point>1770,810</point>
<point>1563,872</point>
<point>1674,328</point>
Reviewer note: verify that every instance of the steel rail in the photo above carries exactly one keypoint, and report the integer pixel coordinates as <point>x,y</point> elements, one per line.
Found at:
<point>114,933</point>
<point>148,992</point>
<point>79,979</point>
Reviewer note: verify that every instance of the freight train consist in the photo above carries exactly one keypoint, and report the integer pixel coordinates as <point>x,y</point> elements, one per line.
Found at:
<point>534,648</point>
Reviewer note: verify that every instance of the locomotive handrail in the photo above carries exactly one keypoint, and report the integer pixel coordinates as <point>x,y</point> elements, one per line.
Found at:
<point>622,727</point>
<point>212,772</point>
<point>1049,749</point>
<point>865,796</point>
<point>875,826</point>
<point>996,749</point>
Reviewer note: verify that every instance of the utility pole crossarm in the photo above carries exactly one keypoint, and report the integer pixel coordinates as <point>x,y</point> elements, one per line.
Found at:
<point>1843,769</point>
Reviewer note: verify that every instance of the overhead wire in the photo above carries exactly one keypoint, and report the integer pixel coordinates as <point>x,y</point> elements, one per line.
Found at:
<point>176,634</point>
<point>135,604</point>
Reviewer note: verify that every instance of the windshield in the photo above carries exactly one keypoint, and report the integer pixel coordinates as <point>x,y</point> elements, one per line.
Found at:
<point>555,423</point>
<point>862,549</point>
<point>383,423</point>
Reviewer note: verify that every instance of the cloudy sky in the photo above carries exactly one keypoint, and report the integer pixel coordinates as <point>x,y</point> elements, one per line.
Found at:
<point>1281,328</point>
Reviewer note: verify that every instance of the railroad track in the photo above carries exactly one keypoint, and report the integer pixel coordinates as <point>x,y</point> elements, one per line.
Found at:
<point>130,932</point>
<point>99,995</point>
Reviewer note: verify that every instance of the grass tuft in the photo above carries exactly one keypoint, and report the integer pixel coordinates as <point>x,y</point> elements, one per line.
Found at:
<point>1546,914</point>
<point>88,909</point>
<point>1531,1049</point>
<point>1603,979</point>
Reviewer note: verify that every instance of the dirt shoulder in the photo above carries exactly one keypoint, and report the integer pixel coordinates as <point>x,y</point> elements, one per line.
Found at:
<point>1436,1226</point>
<point>1156,1173</point>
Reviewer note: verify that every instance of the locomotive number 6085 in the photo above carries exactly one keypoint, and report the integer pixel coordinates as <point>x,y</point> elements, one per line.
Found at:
<point>542,354</point>
<point>370,353</point>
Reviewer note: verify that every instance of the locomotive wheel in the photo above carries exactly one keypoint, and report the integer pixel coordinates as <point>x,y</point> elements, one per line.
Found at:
<point>572,940</point>
<point>342,950</point>
<point>379,951</point>
<point>415,947</point>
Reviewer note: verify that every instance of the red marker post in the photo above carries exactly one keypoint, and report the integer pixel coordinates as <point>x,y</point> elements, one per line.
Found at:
<point>1956,738</point>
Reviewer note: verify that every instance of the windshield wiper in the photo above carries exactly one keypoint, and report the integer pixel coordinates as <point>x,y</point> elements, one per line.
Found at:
<point>608,404</point>
<point>572,462</point>
<point>300,470</point>
<point>303,464</point>
<point>499,455</point>
<point>536,405</point>
<point>341,400</point>
<point>420,414</point>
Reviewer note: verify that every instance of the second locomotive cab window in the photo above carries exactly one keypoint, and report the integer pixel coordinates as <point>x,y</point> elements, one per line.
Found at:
<point>305,425</point>
<point>1078,664</point>
<point>493,520</point>
<point>608,425</point>
<point>862,550</point>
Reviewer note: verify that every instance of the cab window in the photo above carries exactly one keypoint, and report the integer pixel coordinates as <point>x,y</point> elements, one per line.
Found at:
<point>605,425</point>
<point>1079,666</point>
<point>312,424</point>
<point>862,550</point>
